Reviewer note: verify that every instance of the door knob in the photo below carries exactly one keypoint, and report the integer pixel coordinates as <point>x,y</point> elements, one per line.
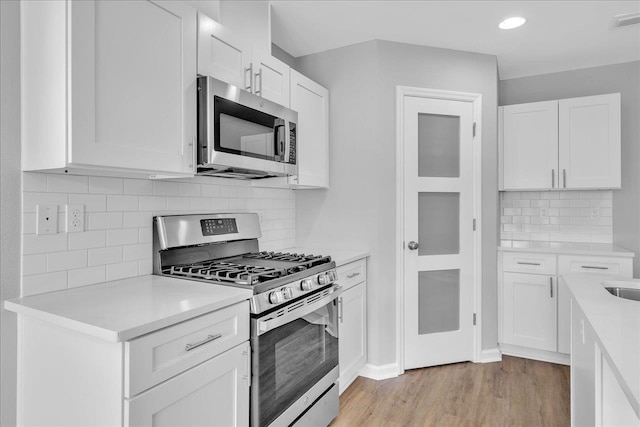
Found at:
<point>413,245</point>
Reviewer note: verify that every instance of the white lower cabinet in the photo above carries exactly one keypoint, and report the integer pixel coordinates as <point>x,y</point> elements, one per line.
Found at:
<point>535,306</point>
<point>353,321</point>
<point>530,311</point>
<point>193,373</point>
<point>211,394</point>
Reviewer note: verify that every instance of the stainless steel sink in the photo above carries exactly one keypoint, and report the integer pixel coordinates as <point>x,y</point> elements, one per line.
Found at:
<point>626,293</point>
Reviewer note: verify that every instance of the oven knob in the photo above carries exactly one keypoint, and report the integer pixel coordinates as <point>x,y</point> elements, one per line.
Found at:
<point>306,285</point>
<point>332,276</point>
<point>287,292</point>
<point>322,279</point>
<point>276,297</point>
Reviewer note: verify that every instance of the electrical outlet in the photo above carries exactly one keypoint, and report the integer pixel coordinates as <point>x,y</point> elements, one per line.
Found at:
<point>595,213</point>
<point>47,219</point>
<point>75,218</point>
<point>544,212</point>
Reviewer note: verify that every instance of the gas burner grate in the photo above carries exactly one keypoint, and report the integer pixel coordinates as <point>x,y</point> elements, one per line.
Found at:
<point>226,272</point>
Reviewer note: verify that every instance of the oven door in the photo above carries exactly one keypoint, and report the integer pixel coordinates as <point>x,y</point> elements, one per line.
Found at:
<point>293,349</point>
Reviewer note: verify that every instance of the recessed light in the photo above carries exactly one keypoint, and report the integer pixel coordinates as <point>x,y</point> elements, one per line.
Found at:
<point>511,23</point>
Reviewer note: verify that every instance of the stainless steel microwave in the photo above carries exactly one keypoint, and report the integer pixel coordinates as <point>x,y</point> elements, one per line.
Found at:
<point>242,135</point>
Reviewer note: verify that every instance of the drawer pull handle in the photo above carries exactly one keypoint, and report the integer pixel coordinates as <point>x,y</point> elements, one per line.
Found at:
<point>595,267</point>
<point>551,286</point>
<point>208,339</point>
<point>351,276</point>
<point>528,263</point>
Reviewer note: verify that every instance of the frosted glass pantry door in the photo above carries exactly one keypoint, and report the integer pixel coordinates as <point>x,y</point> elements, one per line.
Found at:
<point>438,194</point>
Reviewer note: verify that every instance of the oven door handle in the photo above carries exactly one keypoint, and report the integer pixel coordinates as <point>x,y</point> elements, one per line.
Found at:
<point>264,326</point>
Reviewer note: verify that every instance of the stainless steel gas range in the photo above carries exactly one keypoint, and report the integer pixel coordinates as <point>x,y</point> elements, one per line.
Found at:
<point>294,310</point>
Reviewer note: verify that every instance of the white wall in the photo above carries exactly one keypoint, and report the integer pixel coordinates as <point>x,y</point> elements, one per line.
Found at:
<point>623,78</point>
<point>9,201</point>
<point>359,208</point>
<point>117,241</point>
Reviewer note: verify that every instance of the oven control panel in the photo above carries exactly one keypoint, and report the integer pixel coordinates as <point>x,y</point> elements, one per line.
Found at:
<point>214,227</point>
<point>295,289</point>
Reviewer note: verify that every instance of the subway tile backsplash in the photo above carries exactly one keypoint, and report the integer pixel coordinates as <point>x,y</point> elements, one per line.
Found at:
<point>556,219</point>
<point>117,239</point>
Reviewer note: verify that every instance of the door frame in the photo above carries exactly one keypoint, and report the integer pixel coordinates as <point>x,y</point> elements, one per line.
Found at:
<point>476,100</point>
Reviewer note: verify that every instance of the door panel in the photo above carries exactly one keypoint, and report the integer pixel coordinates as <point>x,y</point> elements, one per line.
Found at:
<point>590,141</point>
<point>127,113</point>
<point>438,194</point>
<point>530,304</point>
<point>530,145</point>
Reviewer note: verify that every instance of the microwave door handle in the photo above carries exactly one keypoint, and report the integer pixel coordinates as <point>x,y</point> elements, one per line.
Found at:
<point>279,138</point>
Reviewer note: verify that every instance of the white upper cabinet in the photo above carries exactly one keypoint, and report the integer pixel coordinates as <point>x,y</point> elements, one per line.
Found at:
<point>311,101</point>
<point>271,78</point>
<point>223,54</point>
<point>113,87</point>
<point>530,148</point>
<point>590,141</point>
<point>228,56</point>
<point>568,144</point>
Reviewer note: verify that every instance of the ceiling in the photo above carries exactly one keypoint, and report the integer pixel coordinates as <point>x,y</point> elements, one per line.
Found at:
<point>558,35</point>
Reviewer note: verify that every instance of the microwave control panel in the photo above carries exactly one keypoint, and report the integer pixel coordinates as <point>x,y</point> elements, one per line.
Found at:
<point>292,143</point>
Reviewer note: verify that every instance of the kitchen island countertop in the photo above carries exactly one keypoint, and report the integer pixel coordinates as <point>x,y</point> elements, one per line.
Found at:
<point>124,309</point>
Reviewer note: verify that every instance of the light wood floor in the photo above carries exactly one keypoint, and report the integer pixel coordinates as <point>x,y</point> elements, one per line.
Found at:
<point>514,392</point>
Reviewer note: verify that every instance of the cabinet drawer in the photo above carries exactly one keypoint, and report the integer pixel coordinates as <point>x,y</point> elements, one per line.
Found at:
<point>160,355</point>
<point>519,262</point>
<point>591,264</point>
<point>352,273</point>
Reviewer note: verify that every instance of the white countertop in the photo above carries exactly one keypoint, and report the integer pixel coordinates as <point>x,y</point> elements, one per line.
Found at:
<point>124,309</point>
<point>616,322</point>
<point>595,249</point>
<point>339,256</point>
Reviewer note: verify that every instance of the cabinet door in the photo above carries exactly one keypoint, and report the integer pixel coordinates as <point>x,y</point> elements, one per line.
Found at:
<point>271,78</point>
<point>590,141</point>
<point>311,101</point>
<point>215,393</point>
<point>223,54</point>
<point>353,331</point>
<point>530,146</point>
<point>530,311</point>
<point>133,85</point>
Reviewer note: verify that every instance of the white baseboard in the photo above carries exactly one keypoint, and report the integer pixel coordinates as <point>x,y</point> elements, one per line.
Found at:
<point>379,372</point>
<point>531,353</point>
<point>491,355</point>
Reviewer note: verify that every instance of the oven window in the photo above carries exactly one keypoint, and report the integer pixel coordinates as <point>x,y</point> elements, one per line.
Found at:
<point>291,359</point>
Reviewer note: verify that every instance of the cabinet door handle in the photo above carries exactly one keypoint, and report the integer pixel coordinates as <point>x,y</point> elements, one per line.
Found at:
<point>551,286</point>
<point>258,89</point>
<point>249,69</point>
<point>340,312</point>
<point>553,178</point>
<point>208,339</point>
<point>527,263</point>
<point>564,178</point>
<point>595,267</point>
<point>247,375</point>
<point>351,276</point>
